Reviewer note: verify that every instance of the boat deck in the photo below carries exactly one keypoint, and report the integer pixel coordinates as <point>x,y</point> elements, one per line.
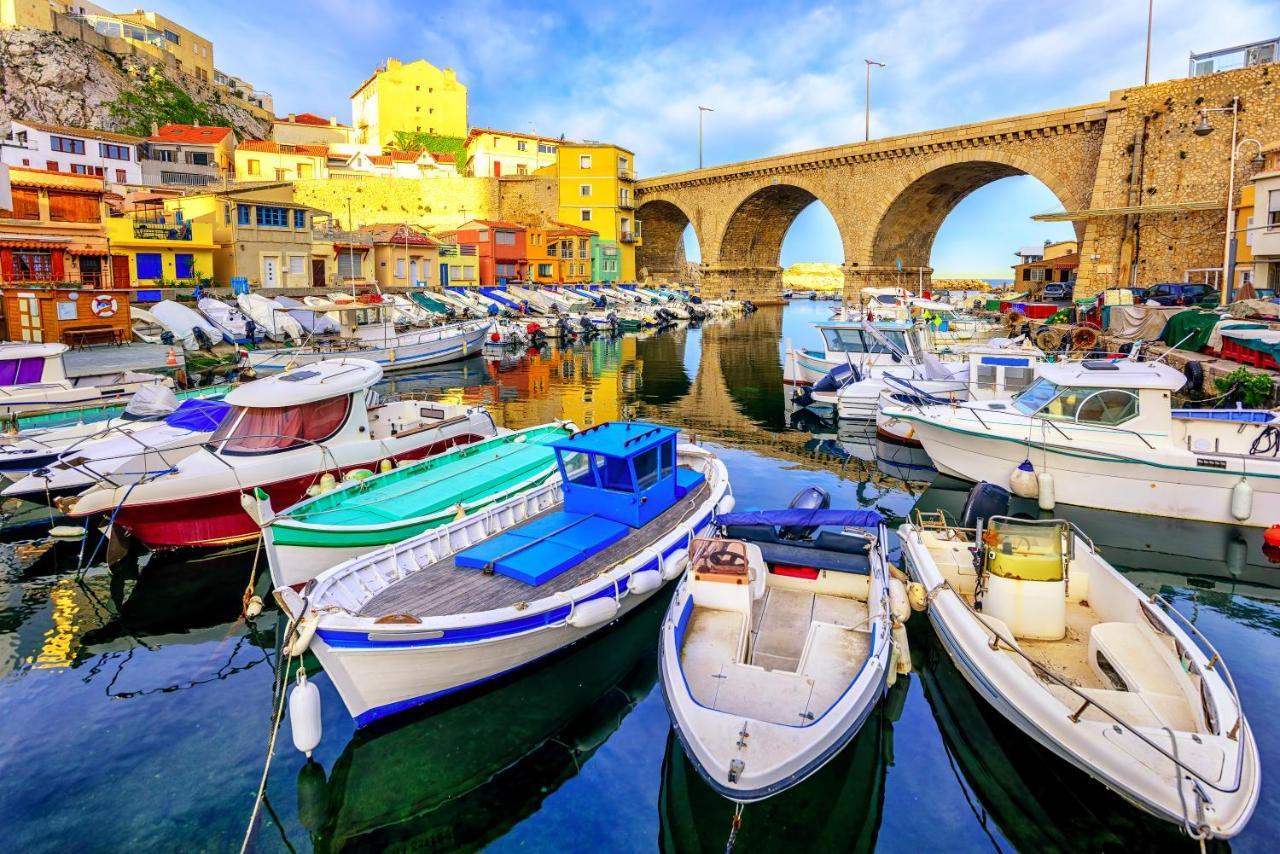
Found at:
<point>444,588</point>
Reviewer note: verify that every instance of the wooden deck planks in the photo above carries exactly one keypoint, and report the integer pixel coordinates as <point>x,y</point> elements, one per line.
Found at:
<point>444,588</point>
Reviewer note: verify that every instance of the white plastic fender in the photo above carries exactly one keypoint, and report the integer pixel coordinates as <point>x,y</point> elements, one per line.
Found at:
<point>66,532</point>
<point>918,596</point>
<point>727,503</point>
<point>593,612</point>
<point>673,564</point>
<point>900,646</point>
<point>1045,499</point>
<point>253,607</point>
<point>306,631</point>
<point>304,715</point>
<point>327,482</point>
<point>645,581</point>
<point>1241,500</point>
<point>899,602</point>
<point>1022,482</point>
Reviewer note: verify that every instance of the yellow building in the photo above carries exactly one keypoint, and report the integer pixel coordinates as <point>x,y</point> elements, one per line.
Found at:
<point>1257,226</point>
<point>414,97</point>
<point>36,14</point>
<point>494,153</point>
<point>597,191</point>
<point>263,160</point>
<point>193,51</point>
<point>403,256</point>
<point>161,247</point>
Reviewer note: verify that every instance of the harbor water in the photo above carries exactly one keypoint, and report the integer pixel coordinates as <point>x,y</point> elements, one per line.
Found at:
<point>136,704</point>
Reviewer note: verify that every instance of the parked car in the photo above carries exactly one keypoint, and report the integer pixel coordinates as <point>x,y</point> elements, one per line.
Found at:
<point>1059,290</point>
<point>1179,293</point>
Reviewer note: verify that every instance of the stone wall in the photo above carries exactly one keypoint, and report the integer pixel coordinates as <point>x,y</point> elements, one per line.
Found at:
<point>528,200</point>
<point>431,203</point>
<point>1152,156</point>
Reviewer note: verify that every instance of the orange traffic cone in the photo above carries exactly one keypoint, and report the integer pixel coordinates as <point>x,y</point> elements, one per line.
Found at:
<point>172,360</point>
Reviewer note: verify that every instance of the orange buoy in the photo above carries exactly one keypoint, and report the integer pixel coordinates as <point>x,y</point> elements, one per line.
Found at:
<point>1272,535</point>
<point>172,359</point>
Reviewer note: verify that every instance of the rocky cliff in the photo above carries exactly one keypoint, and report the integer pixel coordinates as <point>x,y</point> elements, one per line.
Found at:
<point>48,77</point>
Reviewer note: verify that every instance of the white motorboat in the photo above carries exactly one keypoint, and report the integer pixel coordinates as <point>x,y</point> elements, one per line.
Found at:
<point>1114,682</point>
<point>463,603</point>
<point>313,323</point>
<point>284,435</point>
<point>778,644</point>
<point>33,377</point>
<point>191,329</point>
<point>231,322</point>
<point>850,344</point>
<point>123,454</point>
<point>271,318</point>
<point>383,344</point>
<point>1101,433</point>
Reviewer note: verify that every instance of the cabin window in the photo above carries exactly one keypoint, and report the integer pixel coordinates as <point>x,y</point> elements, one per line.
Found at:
<point>646,466</point>
<point>20,371</point>
<point>1099,405</point>
<point>851,340</point>
<point>667,458</point>
<point>577,469</point>
<point>612,473</point>
<point>1034,398</point>
<point>265,430</point>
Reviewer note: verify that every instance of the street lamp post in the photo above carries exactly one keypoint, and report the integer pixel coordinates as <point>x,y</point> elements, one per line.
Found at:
<point>701,110</point>
<point>1146,74</point>
<point>1229,241</point>
<point>869,62</point>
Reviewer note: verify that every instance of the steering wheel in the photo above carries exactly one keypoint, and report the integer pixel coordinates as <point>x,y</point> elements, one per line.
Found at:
<point>725,557</point>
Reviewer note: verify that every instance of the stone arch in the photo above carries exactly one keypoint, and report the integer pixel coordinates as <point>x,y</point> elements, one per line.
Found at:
<point>911,219</point>
<point>661,253</point>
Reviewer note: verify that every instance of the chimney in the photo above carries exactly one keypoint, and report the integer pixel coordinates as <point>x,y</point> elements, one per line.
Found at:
<point>333,121</point>
<point>155,129</point>
<point>293,117</point>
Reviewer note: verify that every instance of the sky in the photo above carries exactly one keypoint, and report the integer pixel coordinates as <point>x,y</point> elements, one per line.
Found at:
<point>782,76</point>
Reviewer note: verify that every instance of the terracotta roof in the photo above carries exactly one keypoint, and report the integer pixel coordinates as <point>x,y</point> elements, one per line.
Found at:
<point>21,176</point>
<point>399,234</point>
<point>493,223</point>
<point>87,133</point>
<point>284,148</point>
<point>443,157</point>
<point>190,134</point>
<point>310,119</point>
<point>477,131</point>
<point>566,228</point>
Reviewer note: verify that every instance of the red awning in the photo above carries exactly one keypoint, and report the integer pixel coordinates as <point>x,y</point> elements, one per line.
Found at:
<point>350,247</point>
<point>87,251</point>
<point>31,244</point>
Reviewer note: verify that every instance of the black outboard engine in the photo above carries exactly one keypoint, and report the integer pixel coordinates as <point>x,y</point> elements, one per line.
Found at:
<point>809,498</point>
<point>586,326</point>
<point>202,338</point>
<point>565,327</point>
<point>612,317</point>
<point>748,307</point>
<point>835,379</point>
<point>984,501</point>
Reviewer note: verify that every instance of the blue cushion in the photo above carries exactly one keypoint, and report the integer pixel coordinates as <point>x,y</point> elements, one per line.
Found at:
<point>544,548</point>
<point>687,480</point>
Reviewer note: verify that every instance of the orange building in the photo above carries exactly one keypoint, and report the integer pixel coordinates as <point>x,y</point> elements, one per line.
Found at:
<point>54,231</point>
<point>560,254</point>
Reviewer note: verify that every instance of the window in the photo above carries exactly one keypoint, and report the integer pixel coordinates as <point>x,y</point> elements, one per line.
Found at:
<point>584,189</point>
<point>399,268</point>
<point>455,271</point>
<point>66,144</point>
<point>282,174</point>
<point>583,244</point>
<point>543,148</point>
<point>32,266</point>
<point>184,265</point>
<point>305,170</point>
<point>544,270</point>
<point>503,237</point>
<point>242,214</point>
<point>255,167</point>
<point>1273,209</point>
<point>199,158</point>
<point>297,265</point>
<point>646,466</point>
<point>121,176</point>
<point>584,161</point>
<point>81,169</point>
<point>1037,274</point>
<point>507,270</point>
<point>114,152</point>
<point>522,169</point>
<point>269,217</point>
<point>521,145</point>
<point>172,36</point>
<point>26,204</point>
<point>1026,274</point>
<point>350,265</point>
<point>299,219</point>
<point>586,214</point>
<point>150,265</point>
<point>73,207</point>
<point>51,165</point>
<point>166,155</point>
<point>21,371</point>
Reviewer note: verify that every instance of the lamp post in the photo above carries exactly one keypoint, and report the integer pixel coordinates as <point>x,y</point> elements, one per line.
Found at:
<point>1146,74</point>
<point>1229,241</point>
<point>701,110</point>
<point>869,62</point>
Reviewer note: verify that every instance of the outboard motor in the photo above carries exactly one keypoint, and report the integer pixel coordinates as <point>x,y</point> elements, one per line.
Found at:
<point>565,327</point>
<point>748,306</point>
<point>202,338</point>
<point>587,327</point>
<point>613,319</point>
<point>809,498</point>
<point>835,379</point>
<point>984,501</point>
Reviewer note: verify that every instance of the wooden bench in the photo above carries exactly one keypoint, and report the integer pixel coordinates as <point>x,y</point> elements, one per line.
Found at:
<point>83,336</point>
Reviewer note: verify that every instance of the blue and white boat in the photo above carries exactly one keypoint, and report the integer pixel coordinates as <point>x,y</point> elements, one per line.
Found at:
<point>389,349</point>
<point>463,603</point>
<point>779,642</point>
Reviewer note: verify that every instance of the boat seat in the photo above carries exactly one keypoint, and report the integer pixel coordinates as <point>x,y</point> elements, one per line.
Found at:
<point>833,656</point>
<point>781,629</point>
<point>687,480</point>
<point>780,553</point>
<point>545,547</point>
<point>1135,654</point>
<point>1139,710</point>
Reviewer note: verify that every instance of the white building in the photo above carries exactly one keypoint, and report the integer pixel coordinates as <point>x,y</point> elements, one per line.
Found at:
<point>37,145</point>
<point>397,164</point>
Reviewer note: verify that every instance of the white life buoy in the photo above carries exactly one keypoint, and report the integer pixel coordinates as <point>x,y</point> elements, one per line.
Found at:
<point>103,305</point>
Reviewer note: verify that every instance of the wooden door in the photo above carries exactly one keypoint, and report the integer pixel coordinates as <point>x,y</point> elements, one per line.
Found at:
<point>317,272</point>
<point>120,271</point>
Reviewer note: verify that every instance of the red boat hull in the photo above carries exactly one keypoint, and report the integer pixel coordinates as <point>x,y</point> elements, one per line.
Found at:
<point>220,519</point>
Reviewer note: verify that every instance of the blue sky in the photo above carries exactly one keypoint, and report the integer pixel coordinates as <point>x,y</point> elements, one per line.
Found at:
<point>782,76</point>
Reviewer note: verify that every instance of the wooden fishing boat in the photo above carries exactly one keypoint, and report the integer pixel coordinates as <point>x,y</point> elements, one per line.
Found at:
<point>778,644</point>
<point>1112,681</point>
<point>465,602</point>
<point>356,517</point>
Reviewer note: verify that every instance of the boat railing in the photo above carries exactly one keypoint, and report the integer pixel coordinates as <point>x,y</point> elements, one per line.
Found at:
<point>937,521</point>
<point>1086,701</point>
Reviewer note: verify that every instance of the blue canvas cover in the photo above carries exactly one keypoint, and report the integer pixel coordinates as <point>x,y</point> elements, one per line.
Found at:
<point>803,518</point>
<point>545,547</point>
<point>198,415</point>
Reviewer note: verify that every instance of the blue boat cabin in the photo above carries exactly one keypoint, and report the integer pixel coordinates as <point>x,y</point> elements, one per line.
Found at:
<point>618,476</point>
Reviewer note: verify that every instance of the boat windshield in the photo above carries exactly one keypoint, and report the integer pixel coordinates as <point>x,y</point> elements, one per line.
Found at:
<point>268,429</point>
<point>852,340</point>
<point>1082,404</point>
<point>1036,396</point>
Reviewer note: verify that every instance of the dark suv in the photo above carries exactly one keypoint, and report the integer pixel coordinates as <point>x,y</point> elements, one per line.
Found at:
<point>1179,293</point>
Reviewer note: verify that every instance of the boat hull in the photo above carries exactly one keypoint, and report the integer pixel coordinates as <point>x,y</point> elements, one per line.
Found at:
<point>418,350</point>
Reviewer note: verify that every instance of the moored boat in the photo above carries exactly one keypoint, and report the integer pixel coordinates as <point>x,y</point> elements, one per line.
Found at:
<point>1112,681</point>
<point>34,378</point>
<point>356,517</point>
<point>462,603</point>
<point>390,349</point>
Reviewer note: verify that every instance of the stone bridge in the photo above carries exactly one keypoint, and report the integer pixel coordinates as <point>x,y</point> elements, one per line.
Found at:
<point>890,196</point>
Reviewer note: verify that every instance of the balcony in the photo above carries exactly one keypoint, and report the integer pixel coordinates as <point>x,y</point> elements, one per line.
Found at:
<point>628,237</point>
<point>626,203</point>
<point>626,174</point>
<point>162,231</point>
<point>337,235</point>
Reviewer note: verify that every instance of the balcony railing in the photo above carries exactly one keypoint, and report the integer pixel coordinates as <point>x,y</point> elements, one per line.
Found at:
<point>628,237</point>
<point>626,174</point>
<point>337,235</point>
<point>162,231</point>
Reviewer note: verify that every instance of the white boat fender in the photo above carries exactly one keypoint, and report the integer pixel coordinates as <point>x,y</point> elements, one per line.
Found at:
<point>901,648</point>
<point>253,607</point>
<point>1044,483</point>
<point>727,503</point>
<point>385,466</point>
<point>1241,500</point>
<point>899,602</point>
<point>593,612</point>
<point>66,532</point>
<point>891,675</point>
<point>917,595</point>
<point>358,474</point>
<point>304,715</point>
<point>327,482</point>
<point>645,581</point>
<point>1022,480</point>
<point>306,631</point>
<point>673,564</point>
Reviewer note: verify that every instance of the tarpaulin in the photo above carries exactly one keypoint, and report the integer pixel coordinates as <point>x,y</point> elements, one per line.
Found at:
<point>803,518</point>
<point>1190,330</point>
<point>1139,322</point>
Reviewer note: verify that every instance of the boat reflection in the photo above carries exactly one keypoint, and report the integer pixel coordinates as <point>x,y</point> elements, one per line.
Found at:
<point>461,774</point>
<point>837,809</point>
<point>1035,800</point>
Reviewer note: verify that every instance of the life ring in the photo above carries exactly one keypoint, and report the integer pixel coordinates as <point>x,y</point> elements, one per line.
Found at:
<point>104,305</point>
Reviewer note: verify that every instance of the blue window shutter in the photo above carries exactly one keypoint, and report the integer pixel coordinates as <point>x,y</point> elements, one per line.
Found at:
<point>185,264</point>
<point>242,214</point>
<point>299,219</point>
<point>150,266</point>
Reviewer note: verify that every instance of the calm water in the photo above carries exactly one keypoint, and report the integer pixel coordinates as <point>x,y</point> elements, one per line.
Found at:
<point>135,706</point>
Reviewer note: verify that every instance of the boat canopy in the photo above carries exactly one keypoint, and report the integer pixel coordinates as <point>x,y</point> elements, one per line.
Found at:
<point>309,383</point>
<point>801,518</point>
<point>199,415</point>
<point>1108,373</point>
